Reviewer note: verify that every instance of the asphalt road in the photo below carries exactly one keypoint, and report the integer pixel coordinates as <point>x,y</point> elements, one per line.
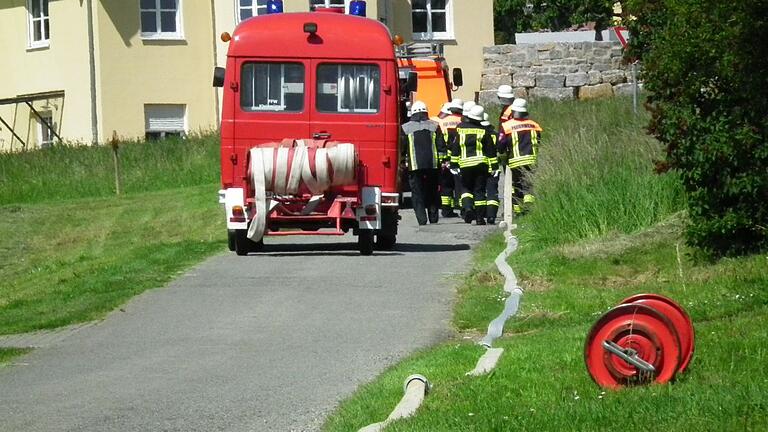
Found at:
<point>269,342</point>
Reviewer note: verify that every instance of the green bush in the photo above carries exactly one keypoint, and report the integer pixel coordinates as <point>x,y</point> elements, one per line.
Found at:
<point>705,66</point>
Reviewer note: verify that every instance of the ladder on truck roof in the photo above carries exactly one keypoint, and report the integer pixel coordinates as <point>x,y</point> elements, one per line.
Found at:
<point>420,49</point>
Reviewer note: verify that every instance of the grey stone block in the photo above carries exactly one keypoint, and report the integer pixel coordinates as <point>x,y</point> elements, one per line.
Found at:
<point>596,91</point>
<point>600,66</point>
<point>488,98</point>
<point>550,80</point>
<point>521,92</point>
<point>491,82</point>
<point>614,77</point>
<point>559,94</point>
<point>576,79</point>
<point>623,89</point>
<point>499,49</point>
<point>594,77</point>
<point>524,79</point>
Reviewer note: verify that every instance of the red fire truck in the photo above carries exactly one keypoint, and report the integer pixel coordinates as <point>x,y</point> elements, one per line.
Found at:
<point>310,128</point>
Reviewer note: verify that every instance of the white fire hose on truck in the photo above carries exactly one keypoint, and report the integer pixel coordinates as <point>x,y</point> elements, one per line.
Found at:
<point>283,170</point>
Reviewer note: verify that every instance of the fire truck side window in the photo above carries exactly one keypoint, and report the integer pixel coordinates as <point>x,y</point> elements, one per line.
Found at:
<point>348,88</point>
<point>272,87</point>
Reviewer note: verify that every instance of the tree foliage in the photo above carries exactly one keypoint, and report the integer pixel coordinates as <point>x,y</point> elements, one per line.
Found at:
<point>705,65</point>
<point>510,16</point>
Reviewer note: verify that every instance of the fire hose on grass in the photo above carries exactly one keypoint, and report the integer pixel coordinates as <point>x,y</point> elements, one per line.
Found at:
<point>416,388</point>
<point>282,170</point>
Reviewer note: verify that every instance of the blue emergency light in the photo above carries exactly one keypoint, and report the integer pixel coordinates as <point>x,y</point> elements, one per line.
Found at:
<point>357,7</point>
<point>274,6</point>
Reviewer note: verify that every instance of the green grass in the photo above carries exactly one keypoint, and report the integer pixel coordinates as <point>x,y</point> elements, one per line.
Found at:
<point>604,227</point>
<point>74,261</point>
<point>67,172</point>
<point>8,354</point>
<point>72,251</point>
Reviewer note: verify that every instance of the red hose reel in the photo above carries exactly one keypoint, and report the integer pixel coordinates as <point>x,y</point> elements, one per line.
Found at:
<point>647,338</point>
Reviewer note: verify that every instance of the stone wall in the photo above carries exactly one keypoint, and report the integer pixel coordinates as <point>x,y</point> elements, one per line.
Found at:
<point>560,71</point>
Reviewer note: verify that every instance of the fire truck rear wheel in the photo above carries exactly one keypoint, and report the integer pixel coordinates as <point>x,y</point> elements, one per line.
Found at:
<point>244,245</point>
<point>231,240</point>
<point>387,236</point>
<point>365,242</point>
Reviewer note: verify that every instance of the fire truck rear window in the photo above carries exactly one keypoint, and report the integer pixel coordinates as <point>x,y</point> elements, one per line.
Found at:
<point>272,87</point>
<point>348,88</point>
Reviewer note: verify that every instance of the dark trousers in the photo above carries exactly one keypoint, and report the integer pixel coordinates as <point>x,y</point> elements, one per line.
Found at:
<point>473,180</point>
<point>424,194</point>
<point>522,184</point>
<point>492,194</point>
<point>447,188</point>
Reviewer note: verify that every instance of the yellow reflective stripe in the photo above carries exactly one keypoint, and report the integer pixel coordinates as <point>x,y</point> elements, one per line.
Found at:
<point>525,160</point>
<point>481,203</point>
<point>534,141</point>
<point>434,150</point>
<point>515,145</point>
<point>446,200</point>
<point>467,195</point>
<point>528,199</point>
<point>412,152</point>
<point>492,203</point>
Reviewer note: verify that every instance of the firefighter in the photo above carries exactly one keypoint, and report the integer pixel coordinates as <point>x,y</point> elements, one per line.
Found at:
<point>448,119</point>
<point>472,155</point>
<point>506,97</point>
<point>519,141</point>
<point>425,151</point>
<point>492,184</point>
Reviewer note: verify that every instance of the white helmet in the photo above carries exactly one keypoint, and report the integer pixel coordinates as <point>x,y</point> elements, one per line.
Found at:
<point>486,120</point>
<point>476,113</point>
<point>446,109</point>
<point>457,104</point>
<point>505,92</point>
<point>520,105</point>
<point>468,106</point>
<point>418,107</point>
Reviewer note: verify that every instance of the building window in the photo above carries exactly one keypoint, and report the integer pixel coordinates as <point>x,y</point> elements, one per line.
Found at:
<point>272,87</point>
<point>348,88</point>
<point>250,8</point>
<point>162,121</point>
<point>39,23</point>
<point>330,4</point>
<point>432,19</point>
<point>161,19</point>
<point>45,135</point>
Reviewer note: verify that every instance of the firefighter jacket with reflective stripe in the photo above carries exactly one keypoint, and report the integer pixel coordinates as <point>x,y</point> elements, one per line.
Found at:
<point>494,160</point>
<point>447,122</point>
<point>424,144</point>
<point>471,144</point>
<point>520,139</point>
<point>506,114</point>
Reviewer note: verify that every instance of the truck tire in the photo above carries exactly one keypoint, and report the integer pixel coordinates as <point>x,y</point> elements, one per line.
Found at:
<point>387,236</point>
<point>231,240</point>
<point>365,242</point>
<point>244,245</point>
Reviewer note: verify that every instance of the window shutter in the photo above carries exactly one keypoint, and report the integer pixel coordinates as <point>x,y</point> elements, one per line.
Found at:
<point>164,118</point>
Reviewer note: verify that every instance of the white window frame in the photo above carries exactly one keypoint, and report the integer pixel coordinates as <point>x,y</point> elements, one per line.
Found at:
<point>159,34</point>
<point>256,10</point>
<point>32,21</point>
<point>327,4</point>
<point>42,130</point>
<point>429,34</point>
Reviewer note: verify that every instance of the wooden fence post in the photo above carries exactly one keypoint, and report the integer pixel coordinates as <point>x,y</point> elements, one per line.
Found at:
<point>116,157</point>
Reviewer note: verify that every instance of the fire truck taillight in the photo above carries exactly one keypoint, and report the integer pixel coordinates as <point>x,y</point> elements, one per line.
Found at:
<point>238,214</point>
<point>226,37</point>
<point>274,6</point>
<point>398,40</point>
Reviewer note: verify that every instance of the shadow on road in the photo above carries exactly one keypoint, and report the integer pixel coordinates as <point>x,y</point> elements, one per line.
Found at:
<point>350,249</point>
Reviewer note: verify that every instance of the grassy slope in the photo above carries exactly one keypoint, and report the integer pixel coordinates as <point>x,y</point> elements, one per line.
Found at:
<point>605,227</point>
<point>70,260</point>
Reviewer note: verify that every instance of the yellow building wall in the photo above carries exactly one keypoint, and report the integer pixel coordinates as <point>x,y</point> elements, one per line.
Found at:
<point>133,71</point>
<point>62,66</point>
